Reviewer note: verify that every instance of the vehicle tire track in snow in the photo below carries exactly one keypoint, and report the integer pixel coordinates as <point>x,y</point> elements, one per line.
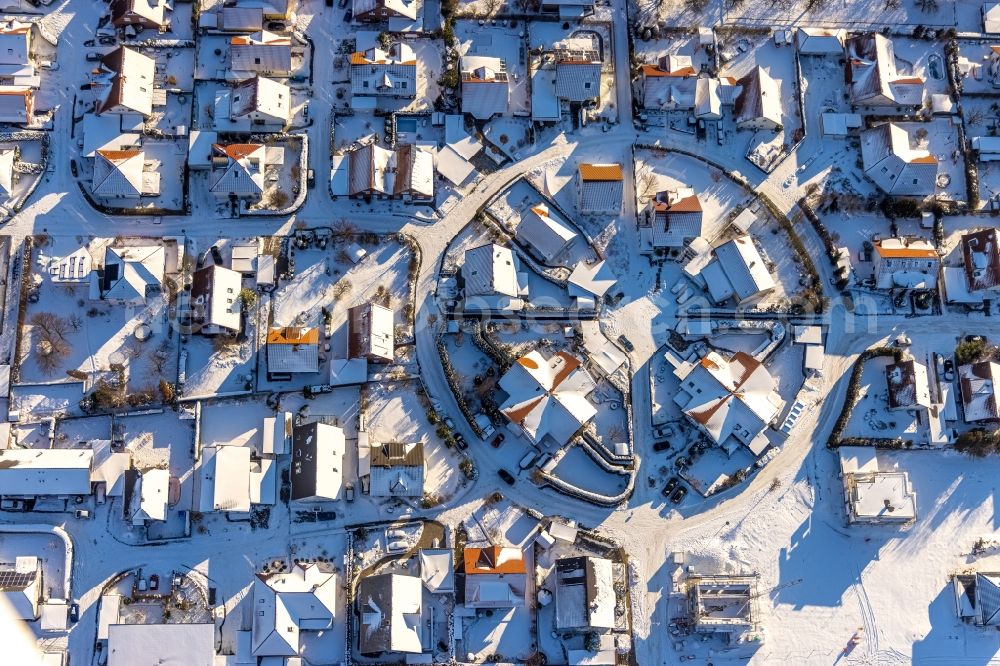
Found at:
<point>867,616</point>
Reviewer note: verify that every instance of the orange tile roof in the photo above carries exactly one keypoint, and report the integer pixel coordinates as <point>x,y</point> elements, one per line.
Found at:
<point>290,335</point>
<point>118,154</point>
<point>599,172</point>
<point>238,151</point>
<point>904,253</point>
<point>686,205</point>
<point>487,561</point>
<point>926,159</point>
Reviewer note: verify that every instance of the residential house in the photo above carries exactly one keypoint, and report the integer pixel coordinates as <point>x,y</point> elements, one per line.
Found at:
<point>405,173</point>
<point>240,19</point>
<point>238,170</point>
<point>585,594</point>
<point>292,349</point>
<point>390,610</point>
<point>977,595</point>
<point>578,70</point>
<point>676,217</point>
<point>437,570</point>
<point>874,78</point>
<point>285,604</point>
<point>732,400</point>
<point>724,606</point>
<point>45,472</point>
<point>378,72</point>
<point>544,232</point>
<point>600,188</point>
<point>758,105</point>
<point>908,385</point>
<point>127,76</point>
<point>21,588</point>
<point>588,283</point>
<point>8,158</point>
<point>710,95</point>
<point>226,479</point>
<point>547,398</point>
<point>124,175</point>
<point>370,333</point>
<point>131,274</point>
<point>317,462</point>
<point>991,17</point>
<point>264,102</point>
<point>380,11</point>
<point>905,263</point>
<point>895,165</point>
<point>215,300</point>
<point>485,89</point>
<point>397,470</point>
<point>495,577</point>
<point>978,382</point>
<point>146,495</point>
<point>262,53</point>
<point>670,84</point>
<point>16,65</point>
<point>567,10</point>
<point>161,644</point>
<point>820,41</point>
<point>738,271</point>
<point>493,279</point>
<point>981,260</point>
<point>145,14</point>
<point>17,104</point>
<point>873,496</point>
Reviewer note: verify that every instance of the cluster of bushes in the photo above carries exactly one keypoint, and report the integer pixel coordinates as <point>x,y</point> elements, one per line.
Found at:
<point>854,390</point>
<point>978,443</point>
<point>456,389</point>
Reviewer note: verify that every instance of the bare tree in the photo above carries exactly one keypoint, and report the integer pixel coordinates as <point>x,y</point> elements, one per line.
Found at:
<point>53,344</point>
<point>492,7</point>
<point>645,182</point>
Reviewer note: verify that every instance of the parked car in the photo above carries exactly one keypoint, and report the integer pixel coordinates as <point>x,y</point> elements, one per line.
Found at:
<point>74,612</point>
<point>310,179</point>
<point>276,26</point>
<point>83,513</point>
<point>626,343</point>
<point>13,505</point>
<point>662,445</point>
<point>395,534</point>
<point>449,423</point>
<point>507,477</point>
<point>305,111</point>
<point>461,443</point>
<point>498,440</point>
<point>949,370</point>
<point>48,64</point>
<point>94,56</point>
<point>528,460</point>
<point>154,582</point>
<point>89,42</point>
<point>678,495</point>
<point>397,546</point>
<point>671,484</point>
<point>349,492</point>
<point>106,40</point>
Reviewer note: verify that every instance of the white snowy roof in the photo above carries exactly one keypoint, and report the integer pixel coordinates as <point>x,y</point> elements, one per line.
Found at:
<point>105,133</point>
<point>317,462</point>
<point>150,503</point>
<point>585,595</point>
<point>226,475</point>
<point>45,471</point>
<point>485,89</point>
<point>217,290</point>
<point>262,97</point>
<point>490,269</point>
<point>744,268</point>
<point>978,383</point>
<point>390,610</point>
<point>893,165</point>
<point>591,279</point>
<point>707,101</point>
<point>760,98</point>
<point>131,272</point>
<point>243,173</point>
<point>304,599</point>
<point>601,188</point>
<point>991,17</point>
<point>262,52</point>
<point>436,570</point>
<point>544,230</point>
<point>121,173</point>
<point>547,398</point>
<point>874,79</point>
<point>161,644</point>
<point>390,72</point>
<point>128,76</point>
<point>15,42</point>
<point>291,349</point>
<point>820,41</point>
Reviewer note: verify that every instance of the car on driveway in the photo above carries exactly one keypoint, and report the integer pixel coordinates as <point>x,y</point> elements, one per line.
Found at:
<point>662,445</point>
<point>671,484</point>
<point>678,495</point>
<point>949,370</point>
<point>626,343</point>
<point>74,612</point>
<point>497,441</point>
<point>507,477</point>
<point>460,442</point>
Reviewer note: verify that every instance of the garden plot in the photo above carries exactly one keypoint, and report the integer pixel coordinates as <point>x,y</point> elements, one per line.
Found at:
<point>234,422</point>
<point>218,365</point>
<point>975,58</point>
<point>65,331</point>
<point>713,470</point>
<point>505,41</point>
<point>544,34</point>
<point>871,417</point>
<point>48,548</point>
<point>395,413</point>
<point>856,14</point>
<point>674,43</point>
<point>471,363</point>
<point>164,441</point>
<point>29,152</point>
<point>576,467</point>
<point>677,13</point>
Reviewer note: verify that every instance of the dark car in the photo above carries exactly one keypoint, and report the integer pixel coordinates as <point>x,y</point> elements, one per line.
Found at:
<point>72,168</point>
<point>497,441</point>
<point>626,343</point>
<point>348,16</point>
<point>507,477</point>
<point>90,42</point>
<point>662,445</point>
<point>974,338</point>
<point>106,41</point>
<point>461,443</point>
<point>74,612</point>
<point>671,484</point>
<point>678,495</point>
<point>949,370</point>
<point>276,26</point>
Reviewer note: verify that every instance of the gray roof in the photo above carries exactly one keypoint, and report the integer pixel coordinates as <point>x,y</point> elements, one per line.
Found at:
<point>578,81</point>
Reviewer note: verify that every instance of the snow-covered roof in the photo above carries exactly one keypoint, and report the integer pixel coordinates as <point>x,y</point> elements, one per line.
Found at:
<point>45,471</point>
<point>243,170</point>
<point>840,124</point>
<point>547,398</point>
<point>215,296</point>
<point>160,644</point>
<point>908,385</point>
<point>585,595</point>
<point>578,75</point>
<point>745,273</point>
<point>304,599</point>
<point>601,188</point>
<point>591,279</point>
<point>991,17</point>
<point>262,52</point>
<point>874,79</point>
<point>74,268</point>
<point>707,99</point>
<point>894,165</point>
<point>15,42</point>
<point>978,382</point>
<point>436,570</point>
<point>226,470</point>
<point>407,170</point>
<point>820,41</point>
<point>260,97</point>
<point>122,174</point>
<point>874,495</point>
<point>276,434</point>
<point>132,272</point>
<point>485,88</point>
<point>148,499</point>
<point>16,103</point>
<point>292,349</point>
<point>490,269</point>
<point>105,133</point>
<point>729,398</point>
<point>317,462</point>
<point>677,217</point>
<point>759,100</point>
<point>544,230</point>
<point>981,259</point>
<point>371,332</point>
<point>145,13</point>
<point>20,586</point>
<point>241,19</point>
<point>388,72</point>
<point>383,8</point>
<point>128,76</point>
<point>396,469</point>
<point>906,262</point>
<point>391,615</point>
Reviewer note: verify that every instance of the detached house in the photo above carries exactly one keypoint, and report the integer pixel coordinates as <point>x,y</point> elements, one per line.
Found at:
<point>485,89</point>
<point>905,263</point>
<point>492,278</point>
<point>874,79</point>
<point>292,349</point>
<point>21,587</point>
<point>127,77</point>
<point>261,53</point>
<point>390,611</point>
<point>124,174</point>
<point>383,73</point>
<point>238,169</point>
<point>978,382</point>
<point>131,274</point>
<point>675,217</point>
<point>909,387</point>
<point>16,66</point>
<point>578,70</point>
<point>737,271</point>
<point>285,604</point>
<point>145,495</point>
<point>405,173</point>
<point>585,594</point>
<point>820,41</point>
<point>758,106</point>
<point>17,104</point>
<point>981,260</point>
<point>397,470</point>
<point>317,462</point>
<point>370,333</point>
<point>265,103</point>
<point>544,231</point>
<point>600,188</point>
<point>894,165</point>
<point>215,300</point>
<point>495,577</point>
<point>379,11</point>
<point>146,14</point>
<point>670,84</point>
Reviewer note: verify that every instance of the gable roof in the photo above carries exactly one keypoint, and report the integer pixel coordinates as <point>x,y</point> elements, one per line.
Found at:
<point>893,165</point>
<point>981,259</point>
<point>390,612</point>
<point>744,268</point>
<point>131,272</point>
<point>261,96</point>
<point>978,382</point>
<point>293,349</point>
<point>490,269</point>
<point>759,99</point>
<point>219,289</point>
<point>303,599</point>
<point>494,560</point>
<point>317,461</point>
<point>129,77</point>
<point>873,76</point>
<point>147,13</point>
<point>485,88</point>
